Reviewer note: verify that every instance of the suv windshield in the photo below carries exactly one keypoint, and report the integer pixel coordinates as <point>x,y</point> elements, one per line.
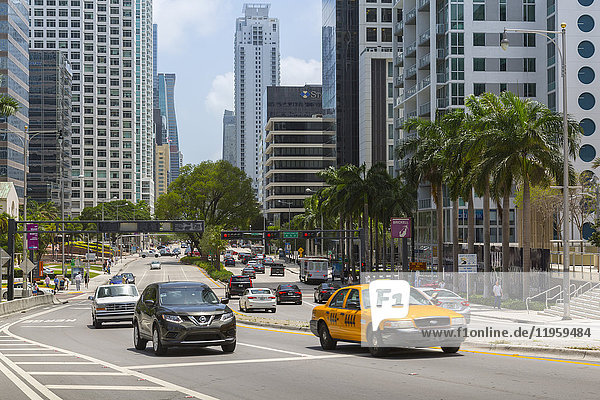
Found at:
<point>187,296</point>
<point>114,291</point>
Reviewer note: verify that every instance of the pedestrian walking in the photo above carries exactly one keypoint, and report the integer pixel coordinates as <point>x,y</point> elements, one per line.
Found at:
<point>67,282</point>
<point>47,281</point>
<point>78,281</point>
<point>55,283</point>
<point>86,279</point>
<point>497,289</point>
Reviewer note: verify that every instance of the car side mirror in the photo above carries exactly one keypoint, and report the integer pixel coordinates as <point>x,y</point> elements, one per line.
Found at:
<point>90,297</point>
<point>353,306</point>
<point>149,302</point>
<point>224,300</point>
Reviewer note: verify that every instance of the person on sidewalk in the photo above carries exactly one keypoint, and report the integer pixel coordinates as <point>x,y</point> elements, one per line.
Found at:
<point>497,289</point>
<point>78,281</point>
<point>86,279</point>
<point>47,281</point>
<point>55,283</point>
<point>67,282</point>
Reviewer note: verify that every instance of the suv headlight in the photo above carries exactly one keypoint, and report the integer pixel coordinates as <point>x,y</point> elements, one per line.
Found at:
<point>172,318</point>
<point>404,324</point>
<point>459,321</point>
<point>227,316</point>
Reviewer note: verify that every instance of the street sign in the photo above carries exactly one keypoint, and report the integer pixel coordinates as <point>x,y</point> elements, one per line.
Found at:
<point>27,266</point>
<point>401,228</point>
<point>290,235</point>
<point>4,257</point>
<point>467,269</point>
<point>188,226</point>
<point>32,237</point>
<point>467,259</point>
<point>300,251</point>
<point>417,266</point>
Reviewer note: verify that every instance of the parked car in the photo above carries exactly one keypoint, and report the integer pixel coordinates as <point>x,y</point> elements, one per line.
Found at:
<point>288,293</point>
<point>155,265</point>
<point>181,314</point>
<point>236,285</point>
<point>113,303</point>
<point>249,271</point>
<point>449,300</point>
<point>257,299</point>
<point>324,291</point>
<point>129,277</point>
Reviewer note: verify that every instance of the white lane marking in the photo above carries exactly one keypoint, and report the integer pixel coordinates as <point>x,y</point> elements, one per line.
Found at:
<point>44,362</point>
<point>26,349</point>
<point>77,373</point>
<point>81,308</point>
<point>101,387</point>
<point>37,355</point>
<point>228,362</point>
<point>16,344</point>
<point>48,326</point>
<point>92,360</point>
<point>28,378</point>
<point>309,303</point>
<point>272,349</point>
<point>183,271</point>
<point>19,383</point>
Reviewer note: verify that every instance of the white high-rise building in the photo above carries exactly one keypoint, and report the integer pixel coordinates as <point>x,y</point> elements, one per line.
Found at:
<point>112,151</point>
<point>256,67</point>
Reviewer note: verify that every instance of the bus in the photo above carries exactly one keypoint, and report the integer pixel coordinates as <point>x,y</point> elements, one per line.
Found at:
<point>314,269</point>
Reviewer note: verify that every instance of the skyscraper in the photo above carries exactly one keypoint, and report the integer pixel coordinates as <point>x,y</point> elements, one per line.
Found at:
<point>155,66</point>
<point>229,141</point>
<point>14,82</point>
<point>50,116</point>
<point>340,75</point>
<point>112,150</point>
<point>256,67</point>
<point>166,94</point>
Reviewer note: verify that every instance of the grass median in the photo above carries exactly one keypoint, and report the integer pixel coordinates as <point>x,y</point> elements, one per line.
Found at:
<point>218,274</point>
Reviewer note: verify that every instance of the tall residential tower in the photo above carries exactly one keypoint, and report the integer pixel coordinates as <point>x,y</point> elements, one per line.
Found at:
<point>256,67</point>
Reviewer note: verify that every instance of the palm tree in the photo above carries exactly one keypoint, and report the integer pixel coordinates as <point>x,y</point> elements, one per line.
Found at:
<point>526,147</point>
<point>8,106</point>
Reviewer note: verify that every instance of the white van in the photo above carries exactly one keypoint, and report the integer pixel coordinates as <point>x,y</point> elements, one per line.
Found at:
<point>314,269</point>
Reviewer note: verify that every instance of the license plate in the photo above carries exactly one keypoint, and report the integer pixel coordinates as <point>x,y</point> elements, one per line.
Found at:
<point>451,306</point>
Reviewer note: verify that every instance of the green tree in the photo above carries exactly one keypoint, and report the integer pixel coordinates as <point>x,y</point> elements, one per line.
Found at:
<point>216,192</point>
<point>212,245</point>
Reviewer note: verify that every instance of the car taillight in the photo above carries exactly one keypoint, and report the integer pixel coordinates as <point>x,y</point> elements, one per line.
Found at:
<point>465,303</point>
<point>323,291</point>
<point>281,292</point>
<point>271,297</point>
<point>251,297</point>
<point>298,292</point>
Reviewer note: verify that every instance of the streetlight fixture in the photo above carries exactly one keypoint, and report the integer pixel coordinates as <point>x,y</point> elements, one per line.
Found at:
<point>504,44</point>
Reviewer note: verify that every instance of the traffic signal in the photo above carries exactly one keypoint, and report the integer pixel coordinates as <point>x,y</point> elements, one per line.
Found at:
<point>272,235</point>
<point>309,234</point>
<point>231,235</point>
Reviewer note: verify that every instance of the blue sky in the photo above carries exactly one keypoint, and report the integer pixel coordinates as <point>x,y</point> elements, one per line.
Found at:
<point>195,41</point>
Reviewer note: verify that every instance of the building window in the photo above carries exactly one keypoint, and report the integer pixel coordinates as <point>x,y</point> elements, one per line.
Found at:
<point>529,64</point>
<point>502,10</point>
<point>502,64</point>
<point>458,94</point>
<point>478,88</point>
<point>457,69</point>
<point>503,87</point>
<point>529,40</point>
<point>478,10</point>
<point>371,14</point>
<point>457,16</point>
<point>371,34</point>
<point>529,90</point>
<point>386,35</point>
<point>478,39</point>
<point>457,43</point>
<point>479,64</point>
<point>529,10</point>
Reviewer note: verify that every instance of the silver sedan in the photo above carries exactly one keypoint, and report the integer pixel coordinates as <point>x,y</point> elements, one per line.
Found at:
<point>257,299</point>
<point>449,300</point>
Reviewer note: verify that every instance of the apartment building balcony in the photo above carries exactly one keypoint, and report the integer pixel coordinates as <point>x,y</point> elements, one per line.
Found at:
<point>423,5</point>
<point>442,78</point>
<point>411,50</point>
<point>425,82</point>
<point>424,38</point>
<point>410,17</point>
<point>411,115</point>
<point>411,72</point>
<point>425,109</point>
<point>410,92</point>
<point>424,61</point>
<point>399,28</point>
<point>441,54</point>
<point>400,81</point>
<point>399,61</point>
<point>424,204</point>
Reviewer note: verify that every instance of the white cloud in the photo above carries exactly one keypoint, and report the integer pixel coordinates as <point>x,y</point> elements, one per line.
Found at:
<point>181,20</point>
<point>220,96</point>
<point>296,71</point>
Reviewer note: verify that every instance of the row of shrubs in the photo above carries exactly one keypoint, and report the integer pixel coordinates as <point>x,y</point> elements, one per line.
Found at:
<point>512,304</point>
<point>217,274</point>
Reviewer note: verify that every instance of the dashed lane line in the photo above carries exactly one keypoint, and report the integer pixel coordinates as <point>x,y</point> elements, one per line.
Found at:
<point>76,373</point>
<point>112,387</point>
<point>272,349</point>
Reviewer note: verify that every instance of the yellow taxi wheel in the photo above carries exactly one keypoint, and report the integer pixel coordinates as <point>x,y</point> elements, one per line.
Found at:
<point>375,345</point>
<point>327,342</point>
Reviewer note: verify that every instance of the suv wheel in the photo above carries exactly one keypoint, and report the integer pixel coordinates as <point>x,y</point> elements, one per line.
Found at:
<point>138,342</point>
<point>228,348</point>
<point>327,342</point>
<point>450,349</point>
<point>157,346</point>
<point>97,324</point>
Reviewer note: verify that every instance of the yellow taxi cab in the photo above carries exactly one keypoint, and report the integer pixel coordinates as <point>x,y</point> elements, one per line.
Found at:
<point>346,317</point>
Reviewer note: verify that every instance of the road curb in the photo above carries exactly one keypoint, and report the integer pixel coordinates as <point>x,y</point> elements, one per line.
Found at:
<point>266,324</point>
<point>557,351</point>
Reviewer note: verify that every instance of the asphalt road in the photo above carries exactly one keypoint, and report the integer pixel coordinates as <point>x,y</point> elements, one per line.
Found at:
<point>55,353</point>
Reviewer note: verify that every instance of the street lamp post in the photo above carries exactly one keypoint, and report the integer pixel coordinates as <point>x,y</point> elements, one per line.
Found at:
<point>504,43</point>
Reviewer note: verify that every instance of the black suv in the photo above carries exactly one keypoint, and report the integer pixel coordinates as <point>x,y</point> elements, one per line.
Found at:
<point>237,285</point>
<point>182,314</point>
